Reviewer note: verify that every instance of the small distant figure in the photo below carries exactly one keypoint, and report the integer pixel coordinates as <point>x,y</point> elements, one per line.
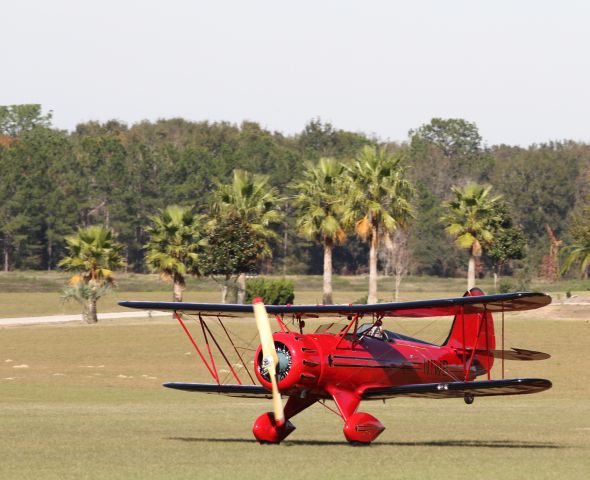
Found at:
<point>376,331</point>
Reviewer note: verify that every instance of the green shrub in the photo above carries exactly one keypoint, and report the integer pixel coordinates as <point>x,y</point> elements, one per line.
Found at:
<point>361,301</point>
<point>272,292</point>
<point>505,286</point>
<point>523,279</point>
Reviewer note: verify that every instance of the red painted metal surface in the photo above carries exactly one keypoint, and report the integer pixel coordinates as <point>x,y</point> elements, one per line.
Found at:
<point>339,367</point>
<point>266,430</point>
<point>362,428</point>
<point>324,364</point>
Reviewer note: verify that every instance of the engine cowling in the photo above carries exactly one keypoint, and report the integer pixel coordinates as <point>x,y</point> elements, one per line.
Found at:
<point>299,366</point>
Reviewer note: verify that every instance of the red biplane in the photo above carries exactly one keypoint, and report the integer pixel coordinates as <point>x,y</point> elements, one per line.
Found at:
<point>360,360</point>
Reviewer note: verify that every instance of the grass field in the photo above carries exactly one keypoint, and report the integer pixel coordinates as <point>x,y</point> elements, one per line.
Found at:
<point>85,402</point>
<point>25,294</point>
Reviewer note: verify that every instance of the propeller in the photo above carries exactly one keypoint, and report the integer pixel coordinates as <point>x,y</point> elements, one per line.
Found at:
<point>270,358</point>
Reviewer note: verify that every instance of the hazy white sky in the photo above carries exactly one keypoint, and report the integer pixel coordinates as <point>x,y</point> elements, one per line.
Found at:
<point>519,69</point>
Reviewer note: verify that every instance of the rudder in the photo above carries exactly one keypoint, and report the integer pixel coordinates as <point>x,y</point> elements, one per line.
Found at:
<point>473,331</point>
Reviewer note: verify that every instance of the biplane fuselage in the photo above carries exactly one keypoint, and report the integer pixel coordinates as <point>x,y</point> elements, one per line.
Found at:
<point>362,361</point>
<point>320,361</point>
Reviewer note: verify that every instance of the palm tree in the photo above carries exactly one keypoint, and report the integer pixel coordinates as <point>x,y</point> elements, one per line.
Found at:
<point>471,217</point>
<point>378,201</point>
<point>319,202</point>
<point>174,246</point>
<point>93,255</point>
<point>251,200</point>
<point>579,250</point>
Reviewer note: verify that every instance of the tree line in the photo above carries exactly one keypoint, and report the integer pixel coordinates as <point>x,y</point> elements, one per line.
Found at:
<point>53,182</point>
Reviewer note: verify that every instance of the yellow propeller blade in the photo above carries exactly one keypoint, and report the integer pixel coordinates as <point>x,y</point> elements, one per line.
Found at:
<point>269,357</point>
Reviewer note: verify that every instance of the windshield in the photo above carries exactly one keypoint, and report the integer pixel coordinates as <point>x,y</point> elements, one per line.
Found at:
<point>375,331</point>
<point>333,327</point>
<point>368,329</point>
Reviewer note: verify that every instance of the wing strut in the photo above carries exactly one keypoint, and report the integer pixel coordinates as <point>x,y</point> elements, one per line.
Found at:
<point>503,341</point>
<point>485,317</point>
<point>465,372</point>
<point>192,340</point>
<point>209,349</point>
<point>211,367</point>
<point>236,350</point>
<point>231,368</point>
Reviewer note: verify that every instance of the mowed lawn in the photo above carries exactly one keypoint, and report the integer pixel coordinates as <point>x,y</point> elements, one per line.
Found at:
<point>85,402</point>
<point>24,294</point>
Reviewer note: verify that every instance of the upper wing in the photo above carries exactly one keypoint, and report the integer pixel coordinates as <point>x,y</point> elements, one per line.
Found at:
<point>484,388</point>
<point>242,391</point>
<point>505,302</point>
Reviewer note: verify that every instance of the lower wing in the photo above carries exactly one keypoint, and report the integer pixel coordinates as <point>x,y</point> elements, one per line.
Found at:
<point>484,388</point>
<point>240,391</point>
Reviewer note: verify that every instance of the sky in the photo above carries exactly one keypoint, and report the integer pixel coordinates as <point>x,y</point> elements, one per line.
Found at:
<point>519,69</point>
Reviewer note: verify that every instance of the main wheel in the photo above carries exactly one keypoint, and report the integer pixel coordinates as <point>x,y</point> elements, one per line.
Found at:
<point>267,431</point>
<point>362,428</point>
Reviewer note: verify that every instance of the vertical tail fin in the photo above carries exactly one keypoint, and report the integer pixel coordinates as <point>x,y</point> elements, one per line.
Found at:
<point>473,331</point>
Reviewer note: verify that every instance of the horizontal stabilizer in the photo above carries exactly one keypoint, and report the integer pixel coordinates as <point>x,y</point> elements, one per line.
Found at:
<point>241,391</point>
<point>513,354</point>
<point>519,354</point>
<point>484,388</point>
